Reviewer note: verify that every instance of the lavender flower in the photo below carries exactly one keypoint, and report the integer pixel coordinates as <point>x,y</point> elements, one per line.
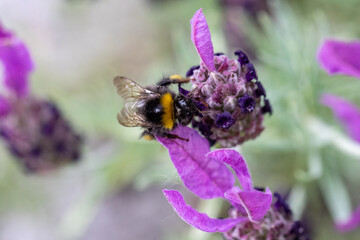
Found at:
<point>234,99</point>
<point>34,130</point>
<point>278,223</point>
<point>206,175</point>
<point>338,57</point>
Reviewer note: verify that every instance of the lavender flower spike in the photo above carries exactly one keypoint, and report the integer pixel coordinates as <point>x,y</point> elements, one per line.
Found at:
<point>206,175</point>
<point>234,99</point>
<point>34,130</point>
<point>338,57</point>
<point>252,216</point>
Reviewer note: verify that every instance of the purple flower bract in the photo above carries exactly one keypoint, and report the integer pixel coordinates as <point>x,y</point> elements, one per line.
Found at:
<point>234,99</point>
<point>206,175</point>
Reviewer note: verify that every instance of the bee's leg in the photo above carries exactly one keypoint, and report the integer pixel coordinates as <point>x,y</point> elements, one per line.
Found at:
<point>174,79</point>
<point>147,135</point>
<point>174,136</point>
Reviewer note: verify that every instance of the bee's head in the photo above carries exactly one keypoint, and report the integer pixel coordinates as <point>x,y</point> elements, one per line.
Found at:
<point>185,109</point>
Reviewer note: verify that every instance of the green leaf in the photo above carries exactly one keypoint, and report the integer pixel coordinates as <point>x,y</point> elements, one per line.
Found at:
<point>335,195</point>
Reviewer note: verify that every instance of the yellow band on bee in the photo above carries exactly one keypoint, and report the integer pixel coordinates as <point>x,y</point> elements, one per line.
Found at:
<point>168,115</point>
<point>173,77</point>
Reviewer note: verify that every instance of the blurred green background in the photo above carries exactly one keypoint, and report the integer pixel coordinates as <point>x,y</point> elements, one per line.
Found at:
<point>114,192</point>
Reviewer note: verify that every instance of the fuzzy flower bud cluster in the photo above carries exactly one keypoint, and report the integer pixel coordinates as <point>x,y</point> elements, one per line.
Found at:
<point>234,100</point>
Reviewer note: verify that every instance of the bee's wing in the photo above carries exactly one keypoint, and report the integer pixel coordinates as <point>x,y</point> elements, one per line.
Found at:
<point>135,98</point>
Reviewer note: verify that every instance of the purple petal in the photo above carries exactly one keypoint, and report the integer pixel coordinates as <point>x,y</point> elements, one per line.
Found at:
<point>205,177</point>
<point>200,35</point>
<point>16,61</point>
<point>5,106</point>
<point>347,113</point>
<point>236,162</point>
<point>352,223</point>
<point>199,220</point>
<point>338,57</point>
<point>255,203</point>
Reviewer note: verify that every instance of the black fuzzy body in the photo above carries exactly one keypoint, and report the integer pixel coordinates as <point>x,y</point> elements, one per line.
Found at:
<point>153,111</point>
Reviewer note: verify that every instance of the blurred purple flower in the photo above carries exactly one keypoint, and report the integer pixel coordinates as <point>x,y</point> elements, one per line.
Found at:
<point>16,61</point>
<point>34,130</point>
<point>347,113</point>
<point>338,57</point>
<point>234,99</point>
<point>206,175</point>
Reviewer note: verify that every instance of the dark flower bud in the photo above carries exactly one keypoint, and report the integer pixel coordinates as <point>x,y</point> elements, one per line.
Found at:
<point>183,91</point>
<point>267,107</point>
<point>250,72</point>
<point>260,90</point>
<point>190,72</point>
<point>246,104</point>
<point>242,58</point>
<point>38,135</point>
<point>224,120</point>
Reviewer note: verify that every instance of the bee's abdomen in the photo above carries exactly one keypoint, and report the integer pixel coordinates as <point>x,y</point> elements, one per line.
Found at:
<point>153,111</point>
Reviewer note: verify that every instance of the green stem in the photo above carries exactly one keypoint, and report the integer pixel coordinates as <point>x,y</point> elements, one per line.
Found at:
<point>325,134</point>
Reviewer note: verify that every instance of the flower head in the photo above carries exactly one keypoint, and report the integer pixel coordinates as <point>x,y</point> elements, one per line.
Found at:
<point>34,130</point>
<point>206,175</point>
<point>234,99</point>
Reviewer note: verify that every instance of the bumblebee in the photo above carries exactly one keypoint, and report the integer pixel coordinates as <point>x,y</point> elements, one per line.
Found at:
<point>156,109</point>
